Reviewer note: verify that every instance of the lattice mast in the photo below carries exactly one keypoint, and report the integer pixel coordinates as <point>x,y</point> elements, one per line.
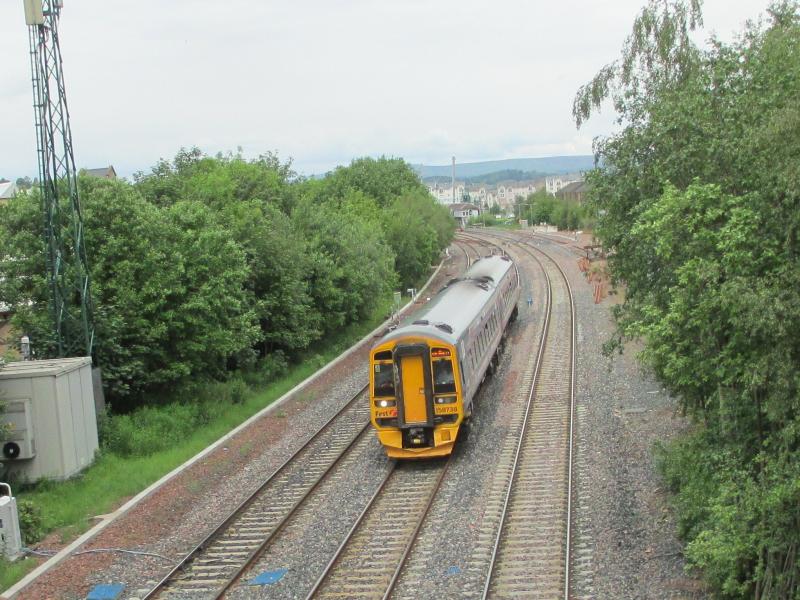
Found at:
<point>66,263</point>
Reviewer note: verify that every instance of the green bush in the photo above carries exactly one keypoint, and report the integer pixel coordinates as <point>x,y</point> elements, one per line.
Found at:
<point>207,265</point>
<point>30,522</point>
<point>238,391</point>
<point>740,523</point>
<point>150,428</point>
<point>268,369</point>
<point>486,218</point>
<point>156,427</point>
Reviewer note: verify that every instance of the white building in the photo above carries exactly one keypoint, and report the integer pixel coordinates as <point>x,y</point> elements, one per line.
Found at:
<point>503,194</point>
<point>443,193</point>
<point>8,189</point>
<point>555,184</point>
<point>462,211</point>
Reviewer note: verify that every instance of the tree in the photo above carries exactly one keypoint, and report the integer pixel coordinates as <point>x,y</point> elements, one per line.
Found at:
<point>382,179</point>
<point>214,319</point>
<point>25,183</point>
<point>167,285</point>
<point>279,264</point>
<point>418,230</point>
<point>351,266</point>
<point>218,181</point>
<point>698,198</point>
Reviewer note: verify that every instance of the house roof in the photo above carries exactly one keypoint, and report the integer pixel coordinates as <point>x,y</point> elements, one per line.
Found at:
<point>8,189</point>
<point>102,172</point>
<point>574,188</point>
<point>463,206</point>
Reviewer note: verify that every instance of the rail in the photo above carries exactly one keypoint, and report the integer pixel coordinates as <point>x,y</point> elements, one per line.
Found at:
<point>229,574</point>
<point>549,415</point>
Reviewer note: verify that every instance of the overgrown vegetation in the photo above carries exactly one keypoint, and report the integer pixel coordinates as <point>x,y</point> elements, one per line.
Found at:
<point>486,218</point>
<point>206,266</point>
<point>150,441</point>
<point>541,207</point>
<point>699,199</point>
<point>218,283</point>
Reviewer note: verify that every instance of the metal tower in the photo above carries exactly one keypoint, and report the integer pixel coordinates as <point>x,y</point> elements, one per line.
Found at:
<point>66,263</point>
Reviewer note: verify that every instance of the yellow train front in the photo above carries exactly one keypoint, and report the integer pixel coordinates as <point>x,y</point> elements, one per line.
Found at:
<point>425,374</point>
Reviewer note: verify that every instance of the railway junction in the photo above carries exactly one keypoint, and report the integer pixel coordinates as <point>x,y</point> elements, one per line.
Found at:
<point>550,492</point>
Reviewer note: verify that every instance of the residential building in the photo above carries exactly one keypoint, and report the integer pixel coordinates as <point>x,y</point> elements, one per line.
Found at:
<point>573,192</point>
<point>444,192</point>
<point>502,194</point>
<point>103,172</point>
<point>8,189</point>
<point>556,183</point>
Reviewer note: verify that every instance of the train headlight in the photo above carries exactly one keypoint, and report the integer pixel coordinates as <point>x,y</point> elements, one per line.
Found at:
<point>385,403</point>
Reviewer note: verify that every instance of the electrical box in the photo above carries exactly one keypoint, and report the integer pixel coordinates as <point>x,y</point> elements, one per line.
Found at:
<point>10,538</point>
<point>18,442</point>
<point>50,411</point>
<point>34,13</point>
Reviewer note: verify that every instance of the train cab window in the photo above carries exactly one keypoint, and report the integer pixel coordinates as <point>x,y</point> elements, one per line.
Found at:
<point>444,381</point>
<point>384,380</point>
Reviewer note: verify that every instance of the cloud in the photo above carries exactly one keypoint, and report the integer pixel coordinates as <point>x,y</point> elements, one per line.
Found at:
<point>322,81</point>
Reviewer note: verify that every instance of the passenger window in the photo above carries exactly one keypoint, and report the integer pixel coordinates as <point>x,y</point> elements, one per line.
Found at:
<point>384,379</point>
<point>444,381</point>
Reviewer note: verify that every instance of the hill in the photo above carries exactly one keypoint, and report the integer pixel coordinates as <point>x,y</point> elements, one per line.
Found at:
<point>549,165</point>
<point>490,178</point>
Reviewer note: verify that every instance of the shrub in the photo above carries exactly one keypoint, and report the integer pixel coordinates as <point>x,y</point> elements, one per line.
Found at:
<point>238,391</point>
<point>150,428</point>
<point>30,522</point>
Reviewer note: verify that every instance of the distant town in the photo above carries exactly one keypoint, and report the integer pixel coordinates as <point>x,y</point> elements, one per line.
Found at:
<point>504,194</point>
<point>499,185</point>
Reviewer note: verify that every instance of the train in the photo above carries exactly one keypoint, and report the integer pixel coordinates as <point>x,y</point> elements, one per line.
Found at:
<point>425,373</point>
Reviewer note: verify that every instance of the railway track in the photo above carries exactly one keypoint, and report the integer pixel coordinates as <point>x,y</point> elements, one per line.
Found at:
<point>531,553</point>
<point>463,246</point>
<point>217,563</point>
<point>529,556</point>
<point>473,254</point>
<point>368,562</point>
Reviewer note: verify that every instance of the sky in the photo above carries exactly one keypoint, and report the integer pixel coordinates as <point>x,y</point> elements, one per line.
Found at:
<point>322,82</point>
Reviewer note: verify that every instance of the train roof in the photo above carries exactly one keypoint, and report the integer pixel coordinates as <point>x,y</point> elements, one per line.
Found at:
<point>450,312</point>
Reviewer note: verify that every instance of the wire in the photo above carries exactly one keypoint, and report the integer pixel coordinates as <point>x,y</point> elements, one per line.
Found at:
<point>96,551</point>
<point>39,552</point>
<point>135,552</point>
